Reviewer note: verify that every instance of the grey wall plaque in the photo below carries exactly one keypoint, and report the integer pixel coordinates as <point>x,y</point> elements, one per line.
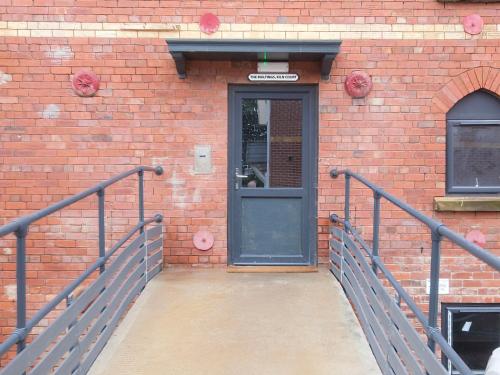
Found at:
<point>202,159</point>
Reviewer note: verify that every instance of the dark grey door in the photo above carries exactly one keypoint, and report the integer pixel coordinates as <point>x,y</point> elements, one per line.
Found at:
<point>272,175</point>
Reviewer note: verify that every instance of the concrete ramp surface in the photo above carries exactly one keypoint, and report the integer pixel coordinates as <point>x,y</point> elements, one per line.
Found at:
<point>214,322</point>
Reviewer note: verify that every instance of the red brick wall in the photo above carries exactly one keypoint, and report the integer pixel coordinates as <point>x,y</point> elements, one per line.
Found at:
<point>146,115</point>
<point>54,143</point>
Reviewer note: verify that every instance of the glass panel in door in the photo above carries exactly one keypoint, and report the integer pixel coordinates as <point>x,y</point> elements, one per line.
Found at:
<point>271,143</point>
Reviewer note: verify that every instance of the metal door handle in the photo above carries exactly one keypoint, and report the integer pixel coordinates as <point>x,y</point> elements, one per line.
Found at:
<point>238,175</point>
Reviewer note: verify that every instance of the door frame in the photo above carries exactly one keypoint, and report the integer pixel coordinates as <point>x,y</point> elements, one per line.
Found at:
<point>311,147</point>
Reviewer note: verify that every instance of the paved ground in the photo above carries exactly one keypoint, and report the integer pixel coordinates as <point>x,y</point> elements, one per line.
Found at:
<point>214,322</point>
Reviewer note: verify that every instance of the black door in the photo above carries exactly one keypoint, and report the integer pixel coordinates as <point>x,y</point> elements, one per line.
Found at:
<point>272,175</point>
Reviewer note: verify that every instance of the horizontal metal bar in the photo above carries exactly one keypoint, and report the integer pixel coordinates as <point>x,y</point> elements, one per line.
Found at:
<point>338,232</point>
<point>95,308</point>
<point>395,363</point>
<point>372,292</point>
<point>155,258</point>
<point>70,363</point>
<point>349,242</point>
<point>154,231</point>
<point>154,271</point>
<point>336,244</point>
<point>108,330</point>
<point>28,219</point>
<point>112,297</point>
<point>377,351</point>
<point>335,258</point>
<point>157,218</point>
<point>125,254</point>
<point>335,270</point>
<point>351,271</point>
<point>45,365</point>
<point>360,240</point>
<point>133,265</point>
<point>355,234</point>
<point>430,332</point>
<point>25,358</point>
<point>116,293</point>
<point>104,298</point>
<point>427,357</point>
<point>404,351</point>
<point>155,245</point>
<point>404,326</point>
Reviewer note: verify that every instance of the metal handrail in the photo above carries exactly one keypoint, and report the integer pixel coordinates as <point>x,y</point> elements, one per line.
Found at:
<point>20,228</point>
<point>438,231</point>
<point>433,224</point>
<point>18,224</point>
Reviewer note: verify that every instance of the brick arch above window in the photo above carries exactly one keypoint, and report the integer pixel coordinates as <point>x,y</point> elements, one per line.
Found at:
<point>483,77</point>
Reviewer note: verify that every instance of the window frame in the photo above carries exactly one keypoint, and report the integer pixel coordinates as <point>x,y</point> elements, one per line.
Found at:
<point>447,311</point>
<point>450,188</point>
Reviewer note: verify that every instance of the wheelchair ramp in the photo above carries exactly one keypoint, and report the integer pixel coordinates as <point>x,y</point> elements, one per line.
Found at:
<point>214,322</point>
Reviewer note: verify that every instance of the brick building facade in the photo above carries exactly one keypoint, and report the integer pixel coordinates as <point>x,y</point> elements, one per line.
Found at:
<point>54,143</point>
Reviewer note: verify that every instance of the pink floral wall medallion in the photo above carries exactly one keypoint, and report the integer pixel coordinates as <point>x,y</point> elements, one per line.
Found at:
<point>209,23</point>
<point>358,84</point>
<point>473,24</point>
<point>475,236</point>
<point>85,83</point>
<point>203,240</point>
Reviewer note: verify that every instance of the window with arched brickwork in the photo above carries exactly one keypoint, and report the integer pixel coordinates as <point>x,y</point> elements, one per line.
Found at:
<point>473,144</point>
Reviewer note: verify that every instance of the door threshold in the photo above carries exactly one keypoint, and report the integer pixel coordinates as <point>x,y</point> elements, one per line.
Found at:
<point>271,269</point>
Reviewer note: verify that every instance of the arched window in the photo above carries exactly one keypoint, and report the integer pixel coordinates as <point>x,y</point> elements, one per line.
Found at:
<point>473,144</point>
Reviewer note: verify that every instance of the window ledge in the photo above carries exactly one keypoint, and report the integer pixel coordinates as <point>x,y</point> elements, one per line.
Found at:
<point>467,203</point>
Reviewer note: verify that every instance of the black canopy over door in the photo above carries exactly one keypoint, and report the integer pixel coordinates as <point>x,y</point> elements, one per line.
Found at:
<point>272,175</point>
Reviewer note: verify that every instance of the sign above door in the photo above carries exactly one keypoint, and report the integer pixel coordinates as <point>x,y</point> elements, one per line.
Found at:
<point>273,77</point>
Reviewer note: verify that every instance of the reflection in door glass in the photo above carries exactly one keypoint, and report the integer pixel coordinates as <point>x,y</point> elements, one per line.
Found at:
<point>272,143</point>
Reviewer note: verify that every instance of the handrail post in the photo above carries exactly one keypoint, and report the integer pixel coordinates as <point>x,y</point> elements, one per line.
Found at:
<point>21,285</point>
<point>434,284</point>
<point>347,202</point>
<point>376,227</point>
<point>141,198</point>
<point>102,238</point>
<point>140,180</point>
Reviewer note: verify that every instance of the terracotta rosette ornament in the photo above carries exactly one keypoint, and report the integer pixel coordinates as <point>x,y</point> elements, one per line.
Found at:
<point>477,237</point>
<point>209,23</point>
<point>473,24</point>
<point>85,83</point>
<point>203,240</point>
<point>358,84</point>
